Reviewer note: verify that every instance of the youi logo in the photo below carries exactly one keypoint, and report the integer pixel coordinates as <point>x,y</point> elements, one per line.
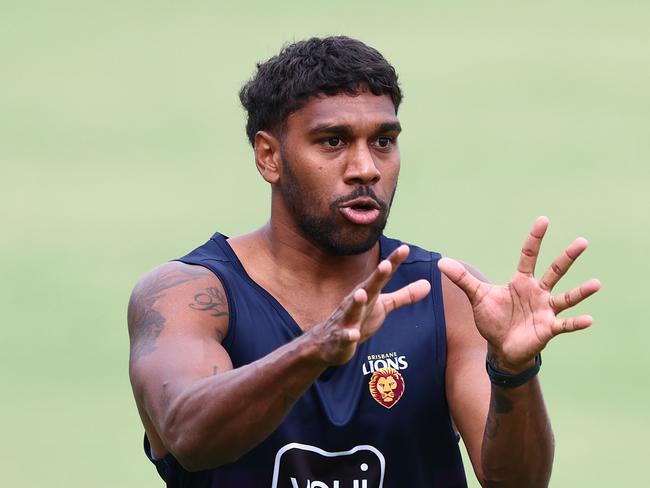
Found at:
<point>304,466</point>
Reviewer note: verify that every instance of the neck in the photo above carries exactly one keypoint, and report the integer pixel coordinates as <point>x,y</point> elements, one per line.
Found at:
<point>292,249</point>
<point>295,260</point>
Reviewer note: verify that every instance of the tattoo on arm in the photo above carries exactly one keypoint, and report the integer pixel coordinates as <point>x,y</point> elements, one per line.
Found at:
<point>211,300</point>
<point>145,322</point>
<point>499,404</point>
<point>150,324</point>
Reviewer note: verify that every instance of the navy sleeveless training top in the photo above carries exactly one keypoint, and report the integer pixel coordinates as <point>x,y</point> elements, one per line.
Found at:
<point>379,421</point>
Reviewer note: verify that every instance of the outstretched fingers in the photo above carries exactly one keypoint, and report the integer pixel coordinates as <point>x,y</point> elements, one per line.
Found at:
<point>407,295</point>
<point>531,247</point>
<point>571,324</point>
<point>562,263</point>
<point>572,297</point>
<point>384,271</point>
<point>353,312</point>
<point>459,274</point>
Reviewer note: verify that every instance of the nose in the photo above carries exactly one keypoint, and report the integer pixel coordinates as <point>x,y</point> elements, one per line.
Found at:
<point>360,167</point>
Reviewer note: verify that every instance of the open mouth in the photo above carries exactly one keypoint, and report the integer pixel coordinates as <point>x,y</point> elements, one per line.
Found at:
<point>362,207</point>
<point>361,211</point>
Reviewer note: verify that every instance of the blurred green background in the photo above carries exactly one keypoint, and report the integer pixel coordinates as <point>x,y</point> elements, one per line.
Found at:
<point>122,146</point>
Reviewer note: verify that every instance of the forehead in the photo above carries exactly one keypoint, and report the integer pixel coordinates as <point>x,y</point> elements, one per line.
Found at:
<point>360,111</point>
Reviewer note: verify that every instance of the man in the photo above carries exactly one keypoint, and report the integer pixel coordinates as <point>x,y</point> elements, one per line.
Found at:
<point>315,352</point>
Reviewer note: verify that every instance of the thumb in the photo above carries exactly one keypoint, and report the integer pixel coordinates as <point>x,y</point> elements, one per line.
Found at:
<point>458,274</point>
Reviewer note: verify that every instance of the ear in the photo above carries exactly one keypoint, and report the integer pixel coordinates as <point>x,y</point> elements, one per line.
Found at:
<point>268,158</point>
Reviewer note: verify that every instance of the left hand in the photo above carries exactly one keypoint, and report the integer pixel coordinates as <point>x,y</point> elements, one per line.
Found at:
<point>518,319</point>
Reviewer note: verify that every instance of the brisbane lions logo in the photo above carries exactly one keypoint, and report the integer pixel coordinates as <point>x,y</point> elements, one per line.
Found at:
<point>387,386</point>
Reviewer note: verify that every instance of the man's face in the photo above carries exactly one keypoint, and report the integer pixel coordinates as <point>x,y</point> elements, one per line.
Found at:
<point>340,163</point>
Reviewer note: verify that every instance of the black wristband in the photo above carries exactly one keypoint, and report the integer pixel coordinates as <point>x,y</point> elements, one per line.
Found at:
<point>507,380</point>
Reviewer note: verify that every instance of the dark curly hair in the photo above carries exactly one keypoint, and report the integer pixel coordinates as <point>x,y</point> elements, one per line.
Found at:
<point>315,66</point>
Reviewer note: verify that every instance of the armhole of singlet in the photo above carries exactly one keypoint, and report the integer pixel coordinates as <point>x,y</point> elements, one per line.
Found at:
<point>232,309</point>
<point>439,314</point>
<point>441,335</point>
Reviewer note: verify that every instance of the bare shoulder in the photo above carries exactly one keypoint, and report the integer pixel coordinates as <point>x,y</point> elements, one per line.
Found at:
<point>174,294</point>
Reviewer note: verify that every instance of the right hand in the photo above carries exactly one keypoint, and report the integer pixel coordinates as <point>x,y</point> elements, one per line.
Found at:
<point>364,310</point>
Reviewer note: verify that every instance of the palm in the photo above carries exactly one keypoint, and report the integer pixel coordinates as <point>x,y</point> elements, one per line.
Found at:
<point>521,317</point>
<point>517,315</point>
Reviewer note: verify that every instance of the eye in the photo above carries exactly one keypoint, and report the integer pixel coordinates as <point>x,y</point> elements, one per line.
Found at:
<point>384,141</point>
<point>334,141</point>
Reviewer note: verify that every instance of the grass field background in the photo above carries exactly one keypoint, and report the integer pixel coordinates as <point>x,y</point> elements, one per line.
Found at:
<point>122,146</point>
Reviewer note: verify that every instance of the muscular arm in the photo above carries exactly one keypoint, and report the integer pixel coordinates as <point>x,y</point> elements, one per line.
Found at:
<point>191,400</point>
<point>511,324</point>
<point>507,432</point>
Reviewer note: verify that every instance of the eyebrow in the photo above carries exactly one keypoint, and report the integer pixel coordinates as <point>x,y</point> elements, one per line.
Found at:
<point>344,129</point>
<point>331,129</point>
<point>389,127</point>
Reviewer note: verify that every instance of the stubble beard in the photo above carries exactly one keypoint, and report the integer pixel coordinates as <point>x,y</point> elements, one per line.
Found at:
<point>331,232</point>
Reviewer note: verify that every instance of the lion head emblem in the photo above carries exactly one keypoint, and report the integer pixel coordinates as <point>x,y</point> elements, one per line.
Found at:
<point>387,386</point>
